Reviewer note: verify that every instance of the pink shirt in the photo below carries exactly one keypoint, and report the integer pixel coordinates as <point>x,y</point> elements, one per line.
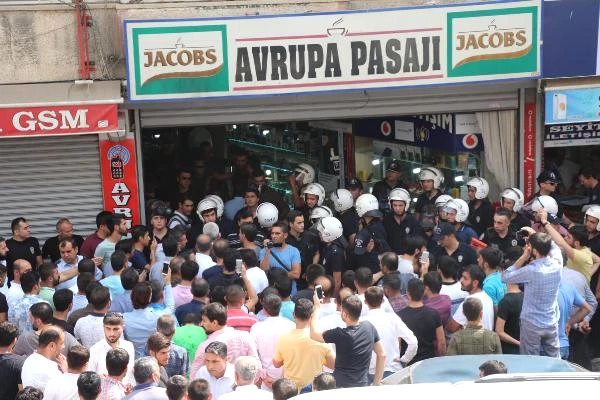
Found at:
<point>238,344</point>
<point>182,295</point>
<point>240,319</point>
<point>266,335</point>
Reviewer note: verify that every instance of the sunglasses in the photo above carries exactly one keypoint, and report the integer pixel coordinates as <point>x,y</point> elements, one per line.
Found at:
<point>550,183</point>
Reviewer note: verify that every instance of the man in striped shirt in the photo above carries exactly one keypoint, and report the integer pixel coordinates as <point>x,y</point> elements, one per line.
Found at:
<point>539,316</point>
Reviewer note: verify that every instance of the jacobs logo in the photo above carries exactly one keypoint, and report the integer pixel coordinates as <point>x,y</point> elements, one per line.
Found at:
<point>492,41</point>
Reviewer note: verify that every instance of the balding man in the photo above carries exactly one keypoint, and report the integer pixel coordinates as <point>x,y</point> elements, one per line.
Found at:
<point>43,366</point>
<point>64,229</point>
<point>15,292</point>
<point>246,370</point>
<point>203,258</point>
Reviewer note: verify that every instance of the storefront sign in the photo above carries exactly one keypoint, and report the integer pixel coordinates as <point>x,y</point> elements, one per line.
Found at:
<point>572,105</point>
<point>119,176</point>
<point>447,132</point>
<point>583,134</point>
<point>283,54</point>
<point>529,150</point>
<point>63,120</point>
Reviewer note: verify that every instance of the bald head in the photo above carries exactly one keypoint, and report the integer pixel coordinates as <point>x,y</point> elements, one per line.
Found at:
<point>20,267</point>
<point>203,243</point>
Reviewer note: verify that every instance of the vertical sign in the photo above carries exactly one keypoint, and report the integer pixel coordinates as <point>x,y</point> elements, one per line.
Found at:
<point>529,151</point>
<point>119,176</point>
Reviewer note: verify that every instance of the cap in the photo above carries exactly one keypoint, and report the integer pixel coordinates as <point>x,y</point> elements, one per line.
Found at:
<point>444,229</point>
<point>394,166</point>
<point>354,183</point>
<point>548,176</point>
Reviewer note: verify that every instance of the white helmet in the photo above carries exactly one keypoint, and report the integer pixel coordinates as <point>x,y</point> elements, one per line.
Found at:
<point>546,202</point>
<point>460,206</point>
<point>399,194</point>
<point>320,212</point>
<point>515,195</point>
<point>267,214</point>
<point>306,171</point>
<point>315,189</point>
<point>342,200</point>
<point>205,205</point>
<point>442,200</point>
<point>482,188</point>
<point>367,205</point>
<point>434,174</point>
<point>594,212</point>
<point>330,229</point>
<point>220,204</point>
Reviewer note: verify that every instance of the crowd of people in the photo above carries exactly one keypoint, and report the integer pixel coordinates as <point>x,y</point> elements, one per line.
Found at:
<point>251,296</point>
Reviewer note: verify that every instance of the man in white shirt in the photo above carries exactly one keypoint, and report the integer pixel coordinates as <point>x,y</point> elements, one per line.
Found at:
<point>471,280</point>
<point>203,258</point>
<point>266,334</point>
<point>47,362</point>
<point>246,370</point>
<point>65,387</point>
<point>113,338</point>
<point>447,268</point>
<point>15,292</point>
<point>88,329</point>
<point>68,261</point>
<point>391,330</point>
<point>256,275</point>
<point>216,370</point>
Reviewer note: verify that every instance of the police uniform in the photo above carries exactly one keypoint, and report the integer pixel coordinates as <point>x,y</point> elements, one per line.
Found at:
<point>464,255</point>
<point>595,195</point>
<point>482,217</point>
<point>362,258</point>
<point>465,233</point>
<point>382,190</point>
<point>423,200</point>
<point>594,244</point>
<point>519,222</point>
<point>397,232</point>
<point>349,220</point>
<point>492,239</point>
<point>555,197</point>
<point>307,244</point>
<point>334,256</point>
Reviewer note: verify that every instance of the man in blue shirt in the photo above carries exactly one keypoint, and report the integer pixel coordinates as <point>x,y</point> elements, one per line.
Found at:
<point>489,259</point>
<point>540,314</point>
<point>568,299</point>
<point>280,255</point>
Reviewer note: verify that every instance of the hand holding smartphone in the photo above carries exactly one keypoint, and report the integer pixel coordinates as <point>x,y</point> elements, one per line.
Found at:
<point>238,266</point>
<point>319,291</point>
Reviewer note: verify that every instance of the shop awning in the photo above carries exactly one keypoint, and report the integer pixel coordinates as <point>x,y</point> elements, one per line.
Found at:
<point>65,108</point>
<point>60,94</point>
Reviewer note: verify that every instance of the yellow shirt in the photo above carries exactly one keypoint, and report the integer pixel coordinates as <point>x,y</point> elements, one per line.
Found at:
<point>303,358</point>
<point>582,262</point>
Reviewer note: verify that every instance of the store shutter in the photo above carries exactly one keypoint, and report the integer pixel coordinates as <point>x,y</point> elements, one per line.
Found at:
<point>355,104</point>
<point>46,178</point>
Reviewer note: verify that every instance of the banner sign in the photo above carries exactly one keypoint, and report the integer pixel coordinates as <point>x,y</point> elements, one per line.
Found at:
<point>446,132</point>
<point>582,134</point>
<point>58,120</point>
<point>572,105</point>
<point>529,150</point>
<point>302,53</point>
<point>119,176</point>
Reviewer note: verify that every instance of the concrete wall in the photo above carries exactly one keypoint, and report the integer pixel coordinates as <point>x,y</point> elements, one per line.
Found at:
<point>39,42</point>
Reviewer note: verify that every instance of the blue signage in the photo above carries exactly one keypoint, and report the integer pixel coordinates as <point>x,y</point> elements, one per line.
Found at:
<point>572,105</point>
<point>446,132</point>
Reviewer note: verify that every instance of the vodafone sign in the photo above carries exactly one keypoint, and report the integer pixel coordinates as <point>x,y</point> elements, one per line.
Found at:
<point>58,120</point>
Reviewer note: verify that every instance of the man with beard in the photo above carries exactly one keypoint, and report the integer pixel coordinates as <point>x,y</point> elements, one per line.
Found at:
<point>471,280</point>
<point>117,228</point>
<point>182,216</point>
<point>113,337</point>
<point>400,224</point>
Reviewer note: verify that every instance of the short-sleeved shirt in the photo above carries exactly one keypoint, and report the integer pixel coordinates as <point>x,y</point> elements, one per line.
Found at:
<point>519,222</point>
<point>349,220</point>
<point>568,299</point>
<point>492,239</point>
<point>353,345</point>
<point>376,231</point>
<point>334,259</point>
<point>50,249</point>
<point>582,262</point>
<point>27,249</point>
<point>105,250</point>
<point>488,311</point>
<point>494,287</point>
<point>424,201</point>
<point>464,255</point>
<point>3,304</point>
<point>308,245</point>
<point>289,257</point>
<point>10,370</point>
<point>509,309</point>
<point>138,260</point>
<point>398,232</point>
<point>482,217</point>
<point>88,248</point>
<point>465,233</point>
<point>189,337</point>
<point>423,322</point>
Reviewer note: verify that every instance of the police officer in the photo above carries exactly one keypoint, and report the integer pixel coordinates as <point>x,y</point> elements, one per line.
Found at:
<point>513,200</point>
<point>267,215</point>
<point>432,180</point>
<point>314,195</point>
<point>355,187</point>
<point>400,224</point>
<point>457,213</point>
<point>381,189</point>
<point>343,203</point>
<point>480,209</point>
<point>306,241</point>
<point>592,226</point>
<point>450,246</point>
<point>331,233</point>
<point>304,174</point>
<point>548,183</point>
<point>371,240</point>
<point>226,226</point>
<point>501,235</point>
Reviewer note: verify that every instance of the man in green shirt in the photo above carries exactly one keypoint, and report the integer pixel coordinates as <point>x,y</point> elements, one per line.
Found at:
<point>190,335</point>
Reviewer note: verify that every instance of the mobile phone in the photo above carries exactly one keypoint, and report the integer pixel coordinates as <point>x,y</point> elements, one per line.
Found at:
<point>238,266</point>
<point>165,268</point>
<point>559,106</point>
<point>319,291</point>
<point>424,256</point>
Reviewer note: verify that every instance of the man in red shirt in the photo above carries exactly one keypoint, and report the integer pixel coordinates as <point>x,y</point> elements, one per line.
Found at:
<point>103,220</point>
<point>238,315</point>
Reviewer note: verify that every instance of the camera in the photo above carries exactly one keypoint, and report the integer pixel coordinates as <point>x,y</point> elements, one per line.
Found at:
<point>270,245</point>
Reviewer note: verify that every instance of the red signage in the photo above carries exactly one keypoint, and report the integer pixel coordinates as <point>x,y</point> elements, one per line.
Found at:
<point>119,177</point>
<point>58,120</point>
<point>529,151</point>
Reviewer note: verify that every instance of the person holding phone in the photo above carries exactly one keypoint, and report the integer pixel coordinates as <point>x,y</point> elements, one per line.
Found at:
<point>277,254</point>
